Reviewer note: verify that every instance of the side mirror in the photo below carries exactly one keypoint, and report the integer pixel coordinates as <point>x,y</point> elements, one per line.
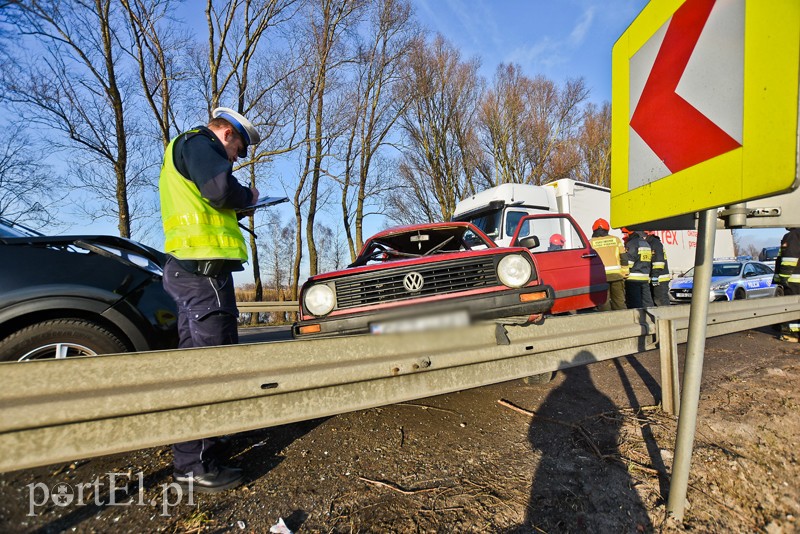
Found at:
<point>528,242</point>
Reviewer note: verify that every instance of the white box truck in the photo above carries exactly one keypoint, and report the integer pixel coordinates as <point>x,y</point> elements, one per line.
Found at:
<point>497,211</point>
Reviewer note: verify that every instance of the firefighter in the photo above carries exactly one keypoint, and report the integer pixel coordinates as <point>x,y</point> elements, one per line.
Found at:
<point>787,274</point>
<point>659,272</point>
<point>611,250</point>
<point>637,284</point>
<point>556,242</point>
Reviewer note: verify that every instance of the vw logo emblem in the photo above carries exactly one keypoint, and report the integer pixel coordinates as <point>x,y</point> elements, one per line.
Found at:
<point>413,282</point>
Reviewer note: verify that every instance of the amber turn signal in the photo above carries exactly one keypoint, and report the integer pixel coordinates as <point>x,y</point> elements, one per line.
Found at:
<point>310,329</point>
<point>530,297</point>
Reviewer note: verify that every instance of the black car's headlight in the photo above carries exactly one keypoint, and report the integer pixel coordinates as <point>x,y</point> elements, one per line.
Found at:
<point>319,299</point>
<point>514,271</point>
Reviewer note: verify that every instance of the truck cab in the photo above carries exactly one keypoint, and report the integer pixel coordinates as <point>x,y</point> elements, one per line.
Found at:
<point>497,211</point>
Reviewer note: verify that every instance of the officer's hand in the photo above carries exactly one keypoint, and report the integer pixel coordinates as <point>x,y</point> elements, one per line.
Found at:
<point>255,193</point>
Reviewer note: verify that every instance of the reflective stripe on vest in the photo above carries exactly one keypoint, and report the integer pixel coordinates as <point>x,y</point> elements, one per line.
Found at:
<point>639,277</point>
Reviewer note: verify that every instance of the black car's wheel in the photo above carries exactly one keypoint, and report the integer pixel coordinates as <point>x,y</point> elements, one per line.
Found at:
<point>740,294</point>
<point>60,338</point>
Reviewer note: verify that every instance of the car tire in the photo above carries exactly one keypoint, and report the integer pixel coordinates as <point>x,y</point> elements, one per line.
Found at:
<point>72,337</point>
<point>740,294</point>
<point>779,291</point>
<point>544,378</point>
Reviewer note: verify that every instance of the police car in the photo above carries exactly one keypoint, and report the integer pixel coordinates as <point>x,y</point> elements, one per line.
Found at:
<point>731,279</point>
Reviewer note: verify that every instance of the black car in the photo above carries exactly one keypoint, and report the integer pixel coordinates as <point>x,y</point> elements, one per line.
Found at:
<point>66,296</point>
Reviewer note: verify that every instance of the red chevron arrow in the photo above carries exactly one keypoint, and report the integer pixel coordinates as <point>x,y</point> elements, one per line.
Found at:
<point>675,130</point>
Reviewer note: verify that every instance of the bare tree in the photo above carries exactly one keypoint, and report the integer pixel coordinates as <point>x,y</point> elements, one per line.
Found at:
<point>279,253</point>
<point>157,46</point>
<point>330,20</point>
<point>594,142</point>
<point>550,140</point>
<point>28,192</point>
<point>375,110</point>
<point>442,158</point>
<point>78,93</point>
<point>505,117</point>
<point>332,250</point>
<point>530,127</point>
<point>237,71</point>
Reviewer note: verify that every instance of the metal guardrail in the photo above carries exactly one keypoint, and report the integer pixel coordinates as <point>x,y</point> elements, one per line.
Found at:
<point>274,306</point>
<point>61,410</point>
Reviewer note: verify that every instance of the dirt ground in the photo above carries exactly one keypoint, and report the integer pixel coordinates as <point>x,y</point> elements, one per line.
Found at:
<point>594,457</point>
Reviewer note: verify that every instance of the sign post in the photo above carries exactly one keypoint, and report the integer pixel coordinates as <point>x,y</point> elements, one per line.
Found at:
<point>704,115</point>
<point>693,368</point>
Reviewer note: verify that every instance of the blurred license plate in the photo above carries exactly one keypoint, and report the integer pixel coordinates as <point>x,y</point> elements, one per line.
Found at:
<point>419,324</point>
<point>683,295</point>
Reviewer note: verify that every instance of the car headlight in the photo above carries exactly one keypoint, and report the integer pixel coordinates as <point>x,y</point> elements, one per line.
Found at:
<point>717,287</point>
<point>319,299</point>
<point>514,271</point>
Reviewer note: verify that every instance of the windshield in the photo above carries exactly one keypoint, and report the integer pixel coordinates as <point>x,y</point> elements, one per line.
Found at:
<point>418,243</point>
<point>12,229</point>
<point>488,222</point>
<point>720,269</point>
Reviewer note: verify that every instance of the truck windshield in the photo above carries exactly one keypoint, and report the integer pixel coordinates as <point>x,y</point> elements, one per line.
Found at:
<point>488,222</point>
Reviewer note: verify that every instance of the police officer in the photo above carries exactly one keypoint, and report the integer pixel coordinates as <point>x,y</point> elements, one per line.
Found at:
<point>659,272</point>
<point>639,256</point>
<point>787,274</point>
<point>199,199</point>
<point>611,250</point>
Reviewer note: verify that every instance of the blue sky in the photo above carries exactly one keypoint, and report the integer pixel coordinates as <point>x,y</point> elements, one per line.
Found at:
<point>560,39</point>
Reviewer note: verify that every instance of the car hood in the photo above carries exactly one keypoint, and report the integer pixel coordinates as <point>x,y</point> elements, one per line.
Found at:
<point>119,248</point>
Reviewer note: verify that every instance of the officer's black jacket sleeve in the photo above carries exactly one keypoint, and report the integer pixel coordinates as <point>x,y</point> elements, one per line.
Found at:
<point>202,159</point>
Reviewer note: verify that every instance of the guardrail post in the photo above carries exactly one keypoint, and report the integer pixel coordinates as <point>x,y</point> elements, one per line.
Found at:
<point>668,350</point>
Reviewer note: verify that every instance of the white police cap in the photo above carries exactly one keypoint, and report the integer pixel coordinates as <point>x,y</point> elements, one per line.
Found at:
<point>242,125</point>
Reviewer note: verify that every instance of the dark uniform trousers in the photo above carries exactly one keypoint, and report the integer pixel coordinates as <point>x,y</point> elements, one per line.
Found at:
<point>206,317</point>
<point>637,294</point>
<point>660,292</point>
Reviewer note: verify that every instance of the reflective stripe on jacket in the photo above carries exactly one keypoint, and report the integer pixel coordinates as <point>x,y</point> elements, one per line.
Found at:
<point>660,267</point>
<point>194,229</point>
<point>640,257</point>
<point>786,268</point>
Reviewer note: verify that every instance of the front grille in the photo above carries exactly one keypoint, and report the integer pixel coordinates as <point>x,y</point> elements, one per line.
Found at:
<point>439,278</point>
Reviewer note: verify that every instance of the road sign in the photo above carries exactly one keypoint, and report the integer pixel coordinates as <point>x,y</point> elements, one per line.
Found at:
<point>704,107</point>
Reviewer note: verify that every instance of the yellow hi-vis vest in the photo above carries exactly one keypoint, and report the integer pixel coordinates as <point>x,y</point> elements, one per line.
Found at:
<point>193,229</point>
<point>609,249</point>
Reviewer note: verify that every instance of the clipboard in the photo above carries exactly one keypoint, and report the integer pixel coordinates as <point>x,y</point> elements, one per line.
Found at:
<point>264,202</point>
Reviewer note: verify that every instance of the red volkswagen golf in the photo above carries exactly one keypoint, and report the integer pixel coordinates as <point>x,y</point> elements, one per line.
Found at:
<point>430,276</point>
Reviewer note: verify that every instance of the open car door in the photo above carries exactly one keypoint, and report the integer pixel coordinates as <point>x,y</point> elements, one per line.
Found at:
<point>572,268</point>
